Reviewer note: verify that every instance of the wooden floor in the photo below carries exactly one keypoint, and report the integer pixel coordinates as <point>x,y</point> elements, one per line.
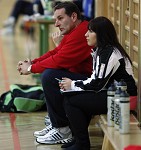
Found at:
<point>16,130</point>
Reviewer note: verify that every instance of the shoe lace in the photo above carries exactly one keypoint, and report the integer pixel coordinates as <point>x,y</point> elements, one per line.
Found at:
<point>53,131</point>
<point>49,126</point>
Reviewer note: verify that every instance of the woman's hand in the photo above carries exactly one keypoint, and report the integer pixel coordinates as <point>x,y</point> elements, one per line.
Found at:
<point>65,84</point>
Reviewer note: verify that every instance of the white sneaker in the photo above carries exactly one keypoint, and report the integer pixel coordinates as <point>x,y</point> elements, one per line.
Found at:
<point>55,136</point>
<point>9,22</point>
<point>43,132</point>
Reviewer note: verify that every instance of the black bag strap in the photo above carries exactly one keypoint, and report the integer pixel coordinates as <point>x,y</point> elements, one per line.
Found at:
<point>10,106</point>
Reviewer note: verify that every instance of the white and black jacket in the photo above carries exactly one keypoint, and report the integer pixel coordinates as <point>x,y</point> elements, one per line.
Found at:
<point>108,65</point>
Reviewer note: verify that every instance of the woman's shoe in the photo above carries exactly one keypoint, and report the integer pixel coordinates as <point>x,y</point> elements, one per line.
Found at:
<point>66,145</point>
<point>76,147</point>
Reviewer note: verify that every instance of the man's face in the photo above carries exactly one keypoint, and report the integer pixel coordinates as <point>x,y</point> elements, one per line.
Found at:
<point>64,22</point>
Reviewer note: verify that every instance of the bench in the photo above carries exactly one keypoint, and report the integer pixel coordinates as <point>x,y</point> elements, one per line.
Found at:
<point>113,140</point>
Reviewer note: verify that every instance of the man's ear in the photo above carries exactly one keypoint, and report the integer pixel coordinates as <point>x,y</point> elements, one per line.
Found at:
<point>74,16</point>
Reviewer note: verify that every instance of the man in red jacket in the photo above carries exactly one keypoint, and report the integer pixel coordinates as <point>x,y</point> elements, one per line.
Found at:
<point>72,59</point>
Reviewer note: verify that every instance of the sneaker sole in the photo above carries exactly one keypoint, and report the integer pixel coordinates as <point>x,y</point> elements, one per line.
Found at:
<point>63,141</point>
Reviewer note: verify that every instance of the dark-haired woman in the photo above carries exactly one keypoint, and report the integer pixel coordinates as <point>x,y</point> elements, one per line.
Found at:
<point>110,62</point>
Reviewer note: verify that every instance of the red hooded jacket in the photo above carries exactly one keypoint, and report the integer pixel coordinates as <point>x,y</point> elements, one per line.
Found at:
<point>72,54</point>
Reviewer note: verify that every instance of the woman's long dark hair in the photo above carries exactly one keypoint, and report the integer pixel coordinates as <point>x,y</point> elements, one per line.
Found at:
<point>106,34</point>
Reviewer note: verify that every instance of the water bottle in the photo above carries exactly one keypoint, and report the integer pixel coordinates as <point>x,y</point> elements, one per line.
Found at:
<point>35,9</point>
<point>110,105</point>
<point>122,84</point>
<point>116,108</point>
<point>48,8</point>
<point>124,113</point>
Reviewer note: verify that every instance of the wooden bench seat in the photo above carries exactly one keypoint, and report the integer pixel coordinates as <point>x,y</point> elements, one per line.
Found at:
<point>113,140</point>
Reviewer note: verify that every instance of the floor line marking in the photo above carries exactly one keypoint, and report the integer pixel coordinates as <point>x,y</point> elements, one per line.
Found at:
<point>12,116</point>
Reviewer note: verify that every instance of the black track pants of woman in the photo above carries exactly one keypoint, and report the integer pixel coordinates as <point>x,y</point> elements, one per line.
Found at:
<point>79,107</point>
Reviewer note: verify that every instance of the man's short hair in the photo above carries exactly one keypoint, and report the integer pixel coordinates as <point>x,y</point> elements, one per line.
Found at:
<point>69,7</point>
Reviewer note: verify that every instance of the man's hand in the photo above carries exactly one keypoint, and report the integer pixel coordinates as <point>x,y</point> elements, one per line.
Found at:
<point>57,37</point>
<point>65,84</point>
<point>22,67</point>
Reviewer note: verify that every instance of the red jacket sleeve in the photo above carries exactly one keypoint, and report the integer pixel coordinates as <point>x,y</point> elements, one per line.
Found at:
<point>72,51</point>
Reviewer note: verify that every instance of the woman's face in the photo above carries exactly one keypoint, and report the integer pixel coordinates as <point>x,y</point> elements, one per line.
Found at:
<point>91,38</point>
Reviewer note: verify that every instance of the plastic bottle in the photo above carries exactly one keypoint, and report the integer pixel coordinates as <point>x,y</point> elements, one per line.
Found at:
<point>124,113</point>
<point>35,9</point>
<point>116,108</point>
<point>48,9</point>
<point>110,105</point>
<point>122,84</point>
